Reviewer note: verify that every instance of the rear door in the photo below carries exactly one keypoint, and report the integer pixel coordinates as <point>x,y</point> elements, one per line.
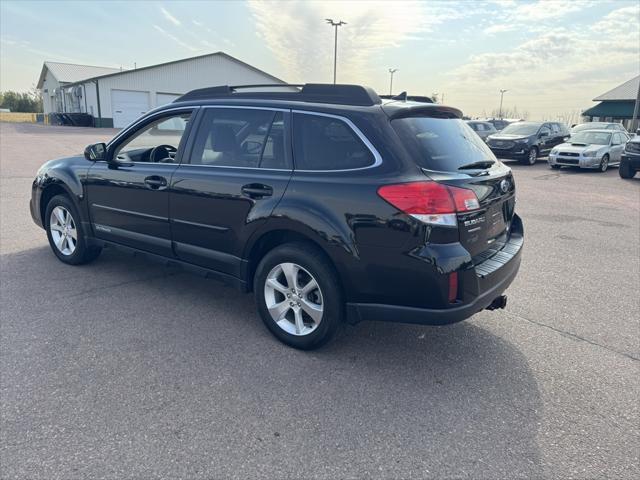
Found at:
<point>236,173</point>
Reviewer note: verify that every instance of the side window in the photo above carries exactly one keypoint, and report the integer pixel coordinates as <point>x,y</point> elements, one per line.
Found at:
<point>479,127</point>
<point>326,143</point>
<point>546,129</point>
<point>555,129</point>
<point>234,137</point>
<point>166,132</point>
<point>617,140</point>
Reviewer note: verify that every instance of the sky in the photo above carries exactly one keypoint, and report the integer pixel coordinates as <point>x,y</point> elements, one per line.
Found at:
<point>552,56</point>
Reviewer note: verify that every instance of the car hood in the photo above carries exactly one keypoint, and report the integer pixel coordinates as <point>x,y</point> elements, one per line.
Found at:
<point>568,147</point>
<point>506,136</point>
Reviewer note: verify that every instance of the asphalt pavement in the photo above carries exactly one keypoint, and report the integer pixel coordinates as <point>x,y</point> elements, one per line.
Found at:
<point>127,369</point>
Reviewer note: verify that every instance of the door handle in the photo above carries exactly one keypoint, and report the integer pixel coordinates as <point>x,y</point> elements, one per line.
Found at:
<point>155,182</point>
<point>257,190</point>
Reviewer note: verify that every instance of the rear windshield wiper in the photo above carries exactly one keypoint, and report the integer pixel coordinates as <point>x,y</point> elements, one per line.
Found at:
<point>480,164</point>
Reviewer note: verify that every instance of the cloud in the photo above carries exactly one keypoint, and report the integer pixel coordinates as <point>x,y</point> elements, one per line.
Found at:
<point>559,67</point>
<point>170,17</point>
<point>302,42</point>
<point>197,23</point>
<point>175,39</point>
<point>499,28</point>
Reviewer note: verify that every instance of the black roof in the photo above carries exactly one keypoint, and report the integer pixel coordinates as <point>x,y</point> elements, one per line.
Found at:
<point>309,92</point>
<point>326,97</point>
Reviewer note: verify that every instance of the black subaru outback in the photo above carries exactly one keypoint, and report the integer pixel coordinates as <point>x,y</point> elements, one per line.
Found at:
<point>328,203</point>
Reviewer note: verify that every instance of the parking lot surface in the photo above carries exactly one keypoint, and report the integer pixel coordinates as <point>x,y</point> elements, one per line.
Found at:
<point>124,368</point>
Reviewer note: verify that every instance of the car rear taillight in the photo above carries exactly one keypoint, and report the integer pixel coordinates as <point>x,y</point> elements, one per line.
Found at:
<point>430,202</point>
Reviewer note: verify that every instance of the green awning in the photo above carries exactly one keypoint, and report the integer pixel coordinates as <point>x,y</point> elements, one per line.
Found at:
<point>610,109</point>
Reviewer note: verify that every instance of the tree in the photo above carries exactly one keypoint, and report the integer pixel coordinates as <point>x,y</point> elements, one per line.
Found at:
<point>28,102</point>
<point>510,112</point>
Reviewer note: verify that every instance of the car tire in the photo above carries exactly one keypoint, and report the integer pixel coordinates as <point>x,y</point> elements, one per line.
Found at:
<point>66,234</point>
<point>604,163</point>
<point>625,170</point>
<point>299,318</point>
<point>532,156</point>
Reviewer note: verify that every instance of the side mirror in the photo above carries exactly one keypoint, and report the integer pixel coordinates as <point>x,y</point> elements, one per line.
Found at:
<point>543,134</point>
<point>95,152</point>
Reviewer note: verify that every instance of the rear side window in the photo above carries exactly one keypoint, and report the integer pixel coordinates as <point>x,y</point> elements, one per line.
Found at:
<point>441,144</point>
<point>248,138</point>
<point>327,143</point>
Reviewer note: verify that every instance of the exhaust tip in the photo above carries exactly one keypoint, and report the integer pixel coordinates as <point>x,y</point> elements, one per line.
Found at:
<point>498,303</point>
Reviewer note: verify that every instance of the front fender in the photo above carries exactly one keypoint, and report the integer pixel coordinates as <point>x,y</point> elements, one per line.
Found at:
<point>65,174</point>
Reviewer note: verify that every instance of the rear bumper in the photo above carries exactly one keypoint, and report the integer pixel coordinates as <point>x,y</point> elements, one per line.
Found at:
<point>493,277</point>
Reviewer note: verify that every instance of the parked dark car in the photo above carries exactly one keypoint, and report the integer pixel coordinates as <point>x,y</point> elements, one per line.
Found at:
<point>327,203</point>
<point>630,161</point>
<point>526,141</point>
<point>483,129</point>
<point>500,123</point>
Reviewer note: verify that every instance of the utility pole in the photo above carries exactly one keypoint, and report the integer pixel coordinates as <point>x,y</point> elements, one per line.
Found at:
<point>334,24</point>
<point>502,92</point>
<point>391,71</point>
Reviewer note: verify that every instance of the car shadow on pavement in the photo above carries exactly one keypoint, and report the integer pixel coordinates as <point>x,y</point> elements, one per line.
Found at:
<point>178,363</point>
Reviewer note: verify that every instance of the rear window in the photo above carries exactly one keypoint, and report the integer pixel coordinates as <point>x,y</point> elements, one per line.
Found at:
<point>441,144</point>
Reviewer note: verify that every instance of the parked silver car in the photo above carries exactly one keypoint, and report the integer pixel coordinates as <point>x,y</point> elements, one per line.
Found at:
<point>590,149</point>
<point>598,126</point>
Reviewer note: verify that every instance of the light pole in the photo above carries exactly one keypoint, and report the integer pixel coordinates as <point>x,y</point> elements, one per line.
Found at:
<point>334,24</point>
<point>391,71</point>
<point>502,92</point>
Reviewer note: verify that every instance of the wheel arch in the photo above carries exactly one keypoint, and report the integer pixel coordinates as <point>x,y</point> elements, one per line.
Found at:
<point>51,190</point>
<point>266,241</point>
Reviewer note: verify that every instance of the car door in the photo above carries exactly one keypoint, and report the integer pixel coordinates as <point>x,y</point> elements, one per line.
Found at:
<point>128,194</point>
<point>237,171</point>
<point>617,146</point>
<point>545,139</point>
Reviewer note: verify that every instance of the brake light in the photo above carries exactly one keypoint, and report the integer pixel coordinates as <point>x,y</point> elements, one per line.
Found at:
<point>429,201</point>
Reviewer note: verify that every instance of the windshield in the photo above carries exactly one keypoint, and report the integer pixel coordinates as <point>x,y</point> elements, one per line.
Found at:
<point>442,144</point>
<point>521,129</point>
<point>591,138</point>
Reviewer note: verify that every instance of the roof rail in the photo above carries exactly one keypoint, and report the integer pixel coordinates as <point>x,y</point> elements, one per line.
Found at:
<point>308,92</point>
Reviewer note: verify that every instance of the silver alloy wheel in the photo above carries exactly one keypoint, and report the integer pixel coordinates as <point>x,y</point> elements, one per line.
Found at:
<point>63,230</point>
<point>294,299</point>
<point>533,156</point>
<point>604,164</point>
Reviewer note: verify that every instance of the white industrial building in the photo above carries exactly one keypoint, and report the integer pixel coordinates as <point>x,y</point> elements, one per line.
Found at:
<point>115,97</point>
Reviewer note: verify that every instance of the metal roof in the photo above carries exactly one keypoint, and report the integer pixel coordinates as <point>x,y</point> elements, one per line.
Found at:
<point>71,72</point>
<point>618,109</point>
<point>627,91</point>
<point>221,54</point>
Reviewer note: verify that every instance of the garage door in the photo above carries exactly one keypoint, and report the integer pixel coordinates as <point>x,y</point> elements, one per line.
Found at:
<point>127,106</point>
<point>164,98</point>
